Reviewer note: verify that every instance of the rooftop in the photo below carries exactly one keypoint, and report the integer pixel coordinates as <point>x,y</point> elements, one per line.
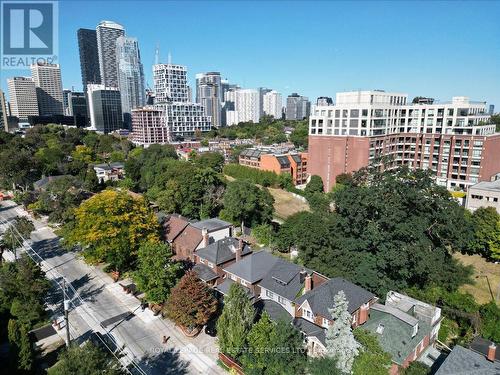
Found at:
<point>285,279</point>
<point>310,329</point>
<point>274,309</point>
<point>488,185</point>
<point>222,251</point>
<point>211,224</point>
<point>253,267</point>
<point>204,272</point>
<point>463,361</point>
<point>226,284</point>
<point>321,298</point>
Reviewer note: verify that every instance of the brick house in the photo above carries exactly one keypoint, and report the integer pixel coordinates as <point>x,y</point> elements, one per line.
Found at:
<point>185,236</point>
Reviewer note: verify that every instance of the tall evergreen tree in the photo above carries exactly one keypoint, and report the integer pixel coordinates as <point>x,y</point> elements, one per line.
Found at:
<point>340,341</point>
<point>235,321</point>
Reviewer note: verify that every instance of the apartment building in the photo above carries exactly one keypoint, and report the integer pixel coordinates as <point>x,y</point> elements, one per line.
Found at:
<point>22,94</point>
<point>209,95</point>
<point>182,117</point>
<point>148,127</point>
<point>272,104</point>
<point>278,161</point>
<point>107,32</point>
<point>89,57</point>
<point>297,107</point>
<point>455,139</point>
<point>49,92</point>
<point>246,106</point>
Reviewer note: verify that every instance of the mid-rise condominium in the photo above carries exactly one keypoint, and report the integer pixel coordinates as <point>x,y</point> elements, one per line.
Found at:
<point>209,95</point>
<point>272,104</point>
<point>49,92</point>
<point>149,127</point>
<point>182,117</point>
<point>130,76</point>
<point>89,57</point>
<point>246,106</point>
<point>105,108</point>
<point>107,33</point>
<point>297,107</point>
<point>22,94</point>
<point>455,139</point>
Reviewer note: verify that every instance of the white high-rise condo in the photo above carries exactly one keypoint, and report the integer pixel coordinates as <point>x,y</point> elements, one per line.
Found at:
<point>130,75</point>
<point>107,34</point>
<point>456,139</point>
<point>182,117</point>
<point>246,106</point>
<point>22,94</point>
<point>49,92</point>
<point>105,108</point>
<point>209,95</point>
<point>272,104</point>
<point>297,107</point>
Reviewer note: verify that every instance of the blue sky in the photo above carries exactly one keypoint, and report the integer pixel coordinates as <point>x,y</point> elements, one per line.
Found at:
<point>437,49</point>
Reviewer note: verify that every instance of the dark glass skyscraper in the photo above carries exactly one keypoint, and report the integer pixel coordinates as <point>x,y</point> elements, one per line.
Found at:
<point>89,57</point>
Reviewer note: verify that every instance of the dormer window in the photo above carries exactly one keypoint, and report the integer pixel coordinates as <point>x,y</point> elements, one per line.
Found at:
<point>380,329</point>
<point>415,330</point>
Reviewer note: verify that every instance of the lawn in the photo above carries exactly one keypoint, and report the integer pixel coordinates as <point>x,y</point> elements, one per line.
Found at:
<point>482,268</point>
<point>285,203</point>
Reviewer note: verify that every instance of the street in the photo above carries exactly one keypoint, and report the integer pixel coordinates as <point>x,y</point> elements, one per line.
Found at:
<point>99,305</point>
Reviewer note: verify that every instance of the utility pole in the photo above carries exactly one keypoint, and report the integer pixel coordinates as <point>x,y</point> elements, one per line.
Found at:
<point>66,313</point>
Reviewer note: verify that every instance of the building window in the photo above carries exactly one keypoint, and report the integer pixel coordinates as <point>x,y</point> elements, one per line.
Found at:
<point>269,294</point>
<point>281,300</point>
<point>211,265</point>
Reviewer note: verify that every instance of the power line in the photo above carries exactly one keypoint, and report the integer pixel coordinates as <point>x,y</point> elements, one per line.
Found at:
<point>38,259</point>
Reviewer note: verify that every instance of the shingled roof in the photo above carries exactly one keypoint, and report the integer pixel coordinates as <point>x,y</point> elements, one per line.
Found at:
<point>321,298</point>
<point>222,251</point>
<point>465,361</point>
<point>284,279</point>
<point>253,267</point>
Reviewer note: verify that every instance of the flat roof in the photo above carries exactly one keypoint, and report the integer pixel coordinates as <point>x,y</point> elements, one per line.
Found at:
<point>487,185</point>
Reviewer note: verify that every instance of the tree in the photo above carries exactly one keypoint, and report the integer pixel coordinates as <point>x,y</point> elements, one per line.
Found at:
<point>340,342</point>
<point>344,179</point>
<point>323,366</point>
<point>300,134</point>
<point>255,359</point>
<point>156,273</point>
<point>371,358</point>
<point>13,236</point>
<point>315,185</point>
<point>214,160</point>
<point>486,240</point>
<point>263,233</point>
<point>247,204</point>
<point>191,303</point>
<point>87,359</point>
<point>416,368</point>
<point>235,321</point>
<point>287,355</point>
<point>490,317</point>
<point>496,120</point>
<point>111,226</point>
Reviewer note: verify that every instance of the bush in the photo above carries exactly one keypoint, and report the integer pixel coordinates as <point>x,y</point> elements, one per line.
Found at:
<point>256,176</point>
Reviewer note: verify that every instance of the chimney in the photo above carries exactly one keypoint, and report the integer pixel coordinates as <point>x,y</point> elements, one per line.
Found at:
<point>239,250</point>
<point>204,234</point>
<point>492,349</point>
<point>307,284</point>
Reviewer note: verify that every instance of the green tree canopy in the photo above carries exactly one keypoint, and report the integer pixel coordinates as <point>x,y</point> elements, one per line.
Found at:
<point>235,321</point>
<point>156,273</point>
<point>87,359</point>
<point>486,239</point>
<point>246,203</point>
<point>371,359</point>
<point>111,226</point>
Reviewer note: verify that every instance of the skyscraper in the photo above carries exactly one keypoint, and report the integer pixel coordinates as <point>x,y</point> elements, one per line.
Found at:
<point>89,57</point>
<point>262,91</point>
<point>77,107</point>
<point>209,95</point>
<point>182,117</point>
<point>130,76</point>
<point>66,95</point>
<point>107,33</point>
<point>22,94</point>
<point>272,104</point>
<point>297,107</point>
<point>105,108</point>
<point>49,93</point>
<point>246,106</point>
<point>4,123</point>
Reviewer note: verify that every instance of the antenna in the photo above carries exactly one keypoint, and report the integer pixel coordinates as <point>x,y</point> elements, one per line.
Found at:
<point>157,54</point>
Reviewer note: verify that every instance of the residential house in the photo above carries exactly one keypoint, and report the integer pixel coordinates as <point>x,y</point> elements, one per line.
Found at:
<point>109,172</point>
<point>211,260</point>
<point>482,358</point>
<point>185,236</point>
<point>405,328</point>
<point>311,310</point>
